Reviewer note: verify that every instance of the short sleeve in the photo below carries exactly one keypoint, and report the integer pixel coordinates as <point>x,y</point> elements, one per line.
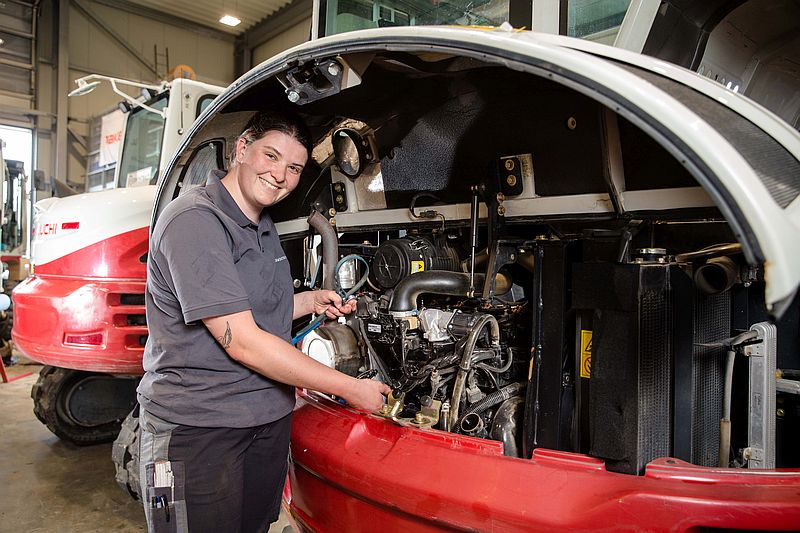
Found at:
<point>197,261</point>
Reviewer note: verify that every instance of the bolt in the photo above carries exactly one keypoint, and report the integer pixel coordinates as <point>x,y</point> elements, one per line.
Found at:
<point>334,69</point>
<point>332,212</point>
<point>384,409</point>
<point>572,123</point>
<point>332,222</point>
<point>419,418</point>
<point>780,412</point>
<point>512,257</point>
<point>293,96</point>
<point>501,197</point>
<point>339,199</point>
<point>297,283</point>
<point>337,186</point>
<point>511,180</point>
<point>509,164</point>
<point>501,210</point>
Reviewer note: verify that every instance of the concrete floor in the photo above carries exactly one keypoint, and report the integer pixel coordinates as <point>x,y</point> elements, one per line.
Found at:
<point>47,485</point>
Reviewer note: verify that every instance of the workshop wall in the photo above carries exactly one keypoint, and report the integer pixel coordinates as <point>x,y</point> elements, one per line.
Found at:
<point>293,36</point>
<point>93,51</point>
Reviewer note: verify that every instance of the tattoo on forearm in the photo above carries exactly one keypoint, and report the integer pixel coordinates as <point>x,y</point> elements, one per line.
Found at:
<point>227,337</point>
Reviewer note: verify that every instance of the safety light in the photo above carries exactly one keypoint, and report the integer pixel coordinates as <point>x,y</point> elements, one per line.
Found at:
<point>84,339</point>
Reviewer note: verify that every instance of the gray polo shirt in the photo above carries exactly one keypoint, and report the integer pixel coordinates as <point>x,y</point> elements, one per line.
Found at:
<point>208,259</point>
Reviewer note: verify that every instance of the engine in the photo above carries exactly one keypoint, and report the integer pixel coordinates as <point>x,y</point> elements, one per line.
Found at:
<point>455,362</point>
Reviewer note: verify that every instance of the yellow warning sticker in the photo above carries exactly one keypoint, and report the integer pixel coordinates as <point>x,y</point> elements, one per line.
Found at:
<point>417,266</point>
<point>586,353</point>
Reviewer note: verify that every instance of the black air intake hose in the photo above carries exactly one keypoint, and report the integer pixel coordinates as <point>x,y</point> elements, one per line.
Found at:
<point>441,282</point>
<point>505,423</point>
<point>330,248</point>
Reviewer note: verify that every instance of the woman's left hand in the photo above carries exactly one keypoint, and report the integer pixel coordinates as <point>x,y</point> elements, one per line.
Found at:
<point>331,304</point>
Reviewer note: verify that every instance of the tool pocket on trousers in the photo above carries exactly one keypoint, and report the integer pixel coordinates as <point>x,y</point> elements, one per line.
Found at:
<point>165,496</point>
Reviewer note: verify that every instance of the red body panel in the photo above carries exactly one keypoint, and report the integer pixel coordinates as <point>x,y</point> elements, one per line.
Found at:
<point>86,292</point>
<point>355,472</point>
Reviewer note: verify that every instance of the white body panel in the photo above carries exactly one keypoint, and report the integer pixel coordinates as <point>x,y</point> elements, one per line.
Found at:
<point>105,214</point>
<point>99,215</point>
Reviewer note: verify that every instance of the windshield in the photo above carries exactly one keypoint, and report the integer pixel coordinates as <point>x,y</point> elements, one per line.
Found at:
<point>141,147</point>
<point>596,20</point>
<point>348,15</point>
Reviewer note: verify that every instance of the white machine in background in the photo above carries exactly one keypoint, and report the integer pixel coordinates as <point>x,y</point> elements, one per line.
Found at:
<point>81,312</point>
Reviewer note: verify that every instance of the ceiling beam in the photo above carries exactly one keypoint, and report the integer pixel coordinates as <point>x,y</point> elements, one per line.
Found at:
<point>167,18</point>
<point>103,26</point>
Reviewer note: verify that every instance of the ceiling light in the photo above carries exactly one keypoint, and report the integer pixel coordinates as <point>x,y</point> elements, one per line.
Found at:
<point>229,20</point>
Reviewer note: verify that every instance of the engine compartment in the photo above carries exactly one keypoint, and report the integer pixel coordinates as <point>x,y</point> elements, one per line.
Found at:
<point>624,315</point>
<point>589,338</point>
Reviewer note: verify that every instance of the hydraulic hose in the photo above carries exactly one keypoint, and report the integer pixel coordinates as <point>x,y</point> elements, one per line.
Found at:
<point>725,422</point>
<point>466,361</point>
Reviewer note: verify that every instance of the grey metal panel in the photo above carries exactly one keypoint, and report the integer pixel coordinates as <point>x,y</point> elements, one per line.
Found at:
<point>778,170</point>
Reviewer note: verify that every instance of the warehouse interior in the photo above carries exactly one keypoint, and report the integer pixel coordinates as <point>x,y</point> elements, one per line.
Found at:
<point>75,75</point>
<point>46,46</point>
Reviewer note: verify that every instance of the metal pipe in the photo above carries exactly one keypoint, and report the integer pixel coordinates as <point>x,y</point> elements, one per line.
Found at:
<point>466,361</point>
<point>404,298</point>
<point>711,251</point>
<point>725,423</point>
<point>473,219</point>
<point>471,423</point>
<point>505,423</point>
<point>330,248</point>
<point>716,276</point>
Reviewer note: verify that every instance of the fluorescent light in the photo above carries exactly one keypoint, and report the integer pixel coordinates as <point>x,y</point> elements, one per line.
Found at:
<point>229,20</point>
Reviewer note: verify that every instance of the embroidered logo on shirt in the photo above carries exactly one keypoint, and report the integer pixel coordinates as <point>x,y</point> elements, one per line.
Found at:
<point>281,258</point>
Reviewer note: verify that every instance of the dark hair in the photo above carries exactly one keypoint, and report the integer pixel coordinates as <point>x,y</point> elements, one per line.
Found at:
<point>283,121</point>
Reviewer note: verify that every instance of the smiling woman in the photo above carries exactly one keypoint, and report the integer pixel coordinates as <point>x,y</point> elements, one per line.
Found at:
<point>267,169</point>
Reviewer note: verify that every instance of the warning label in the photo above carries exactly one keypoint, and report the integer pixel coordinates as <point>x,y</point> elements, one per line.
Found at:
<point>417,266</point>
<point>586,353</point>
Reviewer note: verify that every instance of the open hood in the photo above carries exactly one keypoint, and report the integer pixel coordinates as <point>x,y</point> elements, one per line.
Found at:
<point>464,97</point>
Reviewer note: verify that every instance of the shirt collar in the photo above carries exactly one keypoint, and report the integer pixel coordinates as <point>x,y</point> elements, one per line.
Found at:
<point>223,199</point>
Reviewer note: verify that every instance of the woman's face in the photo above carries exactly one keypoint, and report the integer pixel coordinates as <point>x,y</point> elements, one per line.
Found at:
<point>269,168</point>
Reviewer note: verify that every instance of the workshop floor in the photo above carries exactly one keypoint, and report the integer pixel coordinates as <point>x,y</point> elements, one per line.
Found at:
<point>47,485</point>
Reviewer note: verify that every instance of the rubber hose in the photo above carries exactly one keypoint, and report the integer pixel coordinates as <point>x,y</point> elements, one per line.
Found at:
<point>505,424</point>
<point>330,248</point>
<point>466,361</point>
<point>496,397</point>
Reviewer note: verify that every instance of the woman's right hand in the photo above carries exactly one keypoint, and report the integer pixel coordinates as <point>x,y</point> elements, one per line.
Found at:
<point>367,394</point>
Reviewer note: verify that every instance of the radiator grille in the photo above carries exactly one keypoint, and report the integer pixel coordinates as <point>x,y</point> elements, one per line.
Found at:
<point>712,323</point>
<point>654,380</point>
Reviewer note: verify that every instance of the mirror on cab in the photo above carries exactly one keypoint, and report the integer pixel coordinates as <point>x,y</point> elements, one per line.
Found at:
<point>350,150</point>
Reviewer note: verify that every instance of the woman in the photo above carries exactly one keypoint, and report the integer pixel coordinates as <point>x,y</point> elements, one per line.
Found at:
<point>218,389</point>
